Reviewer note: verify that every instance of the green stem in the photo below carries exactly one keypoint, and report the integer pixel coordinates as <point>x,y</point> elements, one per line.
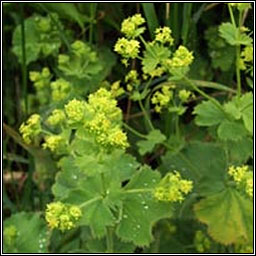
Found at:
<point>46,132</point>
<point>138,190</point>
<point>238,49</point>
<point>147,46</point>
<point>109,238</point>
<point>231,15</point>
<point>238,75</point>
<point>143,41</point>
<point>90,201</point>
<point>143,136</point>
<point>215,102</point>
<point>24,64</point>
<point>146,115</point>
<point>177,126</point>
<point>93,7</point>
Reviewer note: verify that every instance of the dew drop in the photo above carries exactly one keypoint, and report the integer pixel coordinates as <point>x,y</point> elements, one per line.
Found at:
<point>43,240</point>
<point>143,202</point>
<point>130,165</point>
<point>125,216</point>
<point>140,195</point>
<point>74,177</point>
<point>145,184</point>
<point>41,246</point>
<point>138,226</point>
<point>153,180</point>
<point>40,241</point>
<point>145,207</point>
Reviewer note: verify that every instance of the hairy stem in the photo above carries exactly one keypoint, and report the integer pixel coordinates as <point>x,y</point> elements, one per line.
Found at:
<point>146,115</point>
<point>143,136</point>
<point>109,238</point>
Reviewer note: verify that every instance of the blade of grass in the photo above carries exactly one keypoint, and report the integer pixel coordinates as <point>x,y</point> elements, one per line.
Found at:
<point>174,22</point>
<point>93,9</point>
<point>187,16</point>
<point>151,17</point>
<point>23,65</point>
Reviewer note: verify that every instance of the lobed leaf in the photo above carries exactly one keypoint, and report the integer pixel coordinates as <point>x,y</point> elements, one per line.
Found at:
<point>32,235</point>
<point>140,209</point>
<point>228,215</point>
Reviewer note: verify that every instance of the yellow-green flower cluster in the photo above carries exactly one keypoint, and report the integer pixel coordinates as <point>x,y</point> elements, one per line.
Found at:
<point>243,177</point>
<point>201,242</point>
<point>60,89</point>
<point>30,128</point>
<point>53,142</point>
<point>116,89</point>
<point>182,57</point>
<point>157,72</point>
<point>127,48</point>
<point>132,80</point>
<point>184,95</point>
<point>163,35</point>
<point>104,119</point>
<point>57,117</point>
<point>247,53</point>
<point>161,98</point>
<point>172,188</point>
<point>82,61</point>
<point>130,26</point>
<point>246,56</point>
<point>40,79</point>
<point>75,110</point>
<point>62,216</point>
<point>80,48</point>
<point>10,234</point>
<point>240,6</point>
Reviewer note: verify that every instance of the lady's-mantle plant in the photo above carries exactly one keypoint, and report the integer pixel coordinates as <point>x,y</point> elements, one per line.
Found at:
<point>103,191</point>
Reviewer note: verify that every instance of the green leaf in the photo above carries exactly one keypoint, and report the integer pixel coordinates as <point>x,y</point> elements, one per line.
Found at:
<point>208,114</point>
<point>229,130</point>
<point>228,32</point>
<point>153,56</point>
<point>222,54</point>
<point>98,195</point>
<point>247,115</point>
<point>140,209</point>
<point>240,151</point>
<point>89,194</point>
<point>228,215</point>
<point>242,107</point>
<point>69,11</point>
<point>233,36</point>
<point>231,108</point>
<point>31,39</point>
<point>153,138</point>
<point>37,41</point>
<point>194,162</point>
<point>151,17</point>
<point>30,234</point>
